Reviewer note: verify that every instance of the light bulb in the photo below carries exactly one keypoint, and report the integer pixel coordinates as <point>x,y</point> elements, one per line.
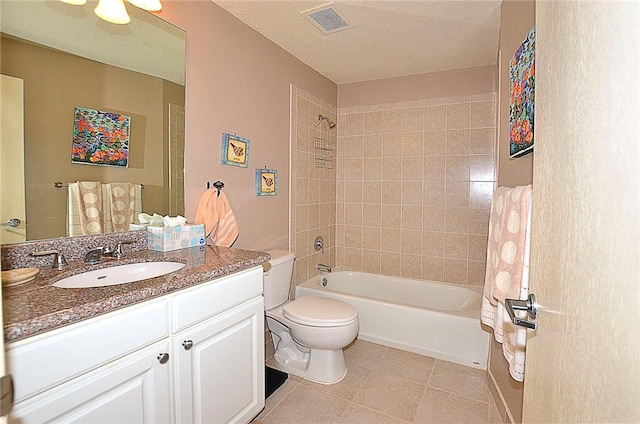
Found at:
<point>112,11</point>
<point>74,2</point>
<point>150,5</point>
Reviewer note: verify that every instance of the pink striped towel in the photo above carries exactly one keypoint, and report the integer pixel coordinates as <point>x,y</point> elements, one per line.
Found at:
<point>215,213</point>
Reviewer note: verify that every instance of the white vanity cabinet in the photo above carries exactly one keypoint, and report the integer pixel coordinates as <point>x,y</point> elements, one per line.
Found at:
<point>105,369</point>
<point>193,356</point>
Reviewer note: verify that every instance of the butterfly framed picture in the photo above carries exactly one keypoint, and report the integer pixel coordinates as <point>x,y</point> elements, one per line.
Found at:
<point>266,182</point>
<point>235,150</point>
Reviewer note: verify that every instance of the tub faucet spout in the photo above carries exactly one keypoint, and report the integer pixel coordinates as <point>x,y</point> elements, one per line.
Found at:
<point>323,267</point>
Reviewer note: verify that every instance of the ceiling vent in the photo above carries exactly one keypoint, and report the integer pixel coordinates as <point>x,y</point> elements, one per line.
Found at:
<point>327,18</point>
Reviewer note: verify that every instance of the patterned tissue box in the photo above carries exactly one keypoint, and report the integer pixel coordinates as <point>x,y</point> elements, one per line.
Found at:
<point>164,239</point>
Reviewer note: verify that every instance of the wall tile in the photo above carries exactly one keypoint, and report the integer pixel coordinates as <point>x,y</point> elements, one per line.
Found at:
<point>412,217</point>
<point>412,242</point>
<point>432,244</point>
<point>372,146</point>
<point>483,114</point>
<point>392,121</point>
<point>458,116</point>
<point>458,142</point>
<point>411,193</point>
<point>435,118</point>
<point>456,246</point>
<point>392,145</point>
<point>412,120</point>
<point>435,143</point>
<point>412,168</point>
<point>411,266</point>
<point>413,184</point>
<point>354,124</point>
<point>391,240</point>
<point>372,123</point>
<point>432,268</point>
<point>433,219</point>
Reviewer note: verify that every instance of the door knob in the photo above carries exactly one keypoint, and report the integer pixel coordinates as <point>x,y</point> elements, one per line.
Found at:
<point>187,344</point>
<point>530,305</point>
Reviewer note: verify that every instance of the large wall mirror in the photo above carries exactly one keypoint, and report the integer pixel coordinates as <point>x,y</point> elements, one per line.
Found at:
<point>64,57</point>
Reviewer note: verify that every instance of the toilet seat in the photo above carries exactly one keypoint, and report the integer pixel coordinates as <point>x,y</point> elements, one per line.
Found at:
<point>318,311</point>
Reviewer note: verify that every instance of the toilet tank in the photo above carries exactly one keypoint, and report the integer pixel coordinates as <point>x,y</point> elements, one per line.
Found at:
<point>278,279</point>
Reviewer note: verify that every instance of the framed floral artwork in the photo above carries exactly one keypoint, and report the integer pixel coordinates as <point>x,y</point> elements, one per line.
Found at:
<point>266,182</point>
<point>100,138</point>
<point>235,150</point>
<point>522,73</point>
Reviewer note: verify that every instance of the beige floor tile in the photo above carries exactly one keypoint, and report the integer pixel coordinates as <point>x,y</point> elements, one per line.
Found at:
<point>356,414</point>
<point>494,414</point>
<point>276,397</point>
<point>364,354</point>
<point>443,408</point>
<point>459,379</point>
<point>307,406</point>
<point>391,395</point>
<point>348,387</point>
<point>407,365</point>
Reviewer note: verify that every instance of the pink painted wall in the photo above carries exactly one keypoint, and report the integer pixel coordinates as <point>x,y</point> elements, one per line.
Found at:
<point>237,81</point>
<point>453,83</point>
<point>516,19</point>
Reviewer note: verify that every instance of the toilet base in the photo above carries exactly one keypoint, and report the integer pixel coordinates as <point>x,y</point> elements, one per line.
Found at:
<point>319,366</point>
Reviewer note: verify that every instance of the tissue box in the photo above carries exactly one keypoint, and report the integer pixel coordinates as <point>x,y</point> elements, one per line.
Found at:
<point>165,239</point>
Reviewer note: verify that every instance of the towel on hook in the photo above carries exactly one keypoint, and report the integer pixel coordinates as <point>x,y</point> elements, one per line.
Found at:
<point>214,211</point>
<point>507,272</point>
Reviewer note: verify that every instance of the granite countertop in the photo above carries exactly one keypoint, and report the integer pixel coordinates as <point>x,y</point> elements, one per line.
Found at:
<point>37,306</point>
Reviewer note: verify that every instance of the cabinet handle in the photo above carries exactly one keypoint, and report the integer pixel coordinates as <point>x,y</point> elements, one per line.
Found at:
<point>163,358</point>
<point>188,344</point>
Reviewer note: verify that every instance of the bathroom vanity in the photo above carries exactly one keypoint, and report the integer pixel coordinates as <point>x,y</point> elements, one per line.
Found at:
<point>185,347</point>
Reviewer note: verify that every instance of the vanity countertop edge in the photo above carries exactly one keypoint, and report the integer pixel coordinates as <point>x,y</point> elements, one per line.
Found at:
<point>37,306</point>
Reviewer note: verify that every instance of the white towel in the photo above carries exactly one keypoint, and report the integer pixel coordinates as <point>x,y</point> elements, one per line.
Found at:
<point>508,253</point>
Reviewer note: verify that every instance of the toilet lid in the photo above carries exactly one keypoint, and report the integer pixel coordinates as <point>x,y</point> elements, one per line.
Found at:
<point>320,312</point>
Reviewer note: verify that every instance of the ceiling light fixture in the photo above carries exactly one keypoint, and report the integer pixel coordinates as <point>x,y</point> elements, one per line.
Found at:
<point>112,11</point>
<point>115,11</point>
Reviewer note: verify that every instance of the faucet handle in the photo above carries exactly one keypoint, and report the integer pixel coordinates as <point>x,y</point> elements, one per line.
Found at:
<point>59,261</point>
<point>118,251</point>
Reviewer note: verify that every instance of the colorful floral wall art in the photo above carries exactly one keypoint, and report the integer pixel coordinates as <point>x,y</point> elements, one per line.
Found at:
<point>522,74</point>
<point>100,138</point>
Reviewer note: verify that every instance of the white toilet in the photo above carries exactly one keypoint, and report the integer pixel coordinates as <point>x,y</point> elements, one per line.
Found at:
<point>308,333</point>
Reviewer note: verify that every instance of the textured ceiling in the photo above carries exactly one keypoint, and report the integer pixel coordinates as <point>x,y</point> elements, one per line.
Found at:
<point>147,44</point>
<point>388,39</point>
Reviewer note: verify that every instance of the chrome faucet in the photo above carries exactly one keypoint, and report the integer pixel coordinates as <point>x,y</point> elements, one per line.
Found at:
<point>94,255</point>
<point>59,262</point>
<point>323,268</point>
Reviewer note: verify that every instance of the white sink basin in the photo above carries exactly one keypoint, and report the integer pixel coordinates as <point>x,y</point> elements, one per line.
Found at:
<point>118,275</point>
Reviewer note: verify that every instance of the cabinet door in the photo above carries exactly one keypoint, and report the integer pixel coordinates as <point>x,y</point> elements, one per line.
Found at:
<point>220,367</point>
<point>133,389</point>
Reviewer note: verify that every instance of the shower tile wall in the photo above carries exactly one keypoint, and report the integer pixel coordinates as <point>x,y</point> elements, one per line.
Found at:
<point>313,190</point>
<point>413,188</point>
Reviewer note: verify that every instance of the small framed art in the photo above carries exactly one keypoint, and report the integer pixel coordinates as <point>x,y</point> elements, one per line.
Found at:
<point>266,182</point>
<point>235,150</point>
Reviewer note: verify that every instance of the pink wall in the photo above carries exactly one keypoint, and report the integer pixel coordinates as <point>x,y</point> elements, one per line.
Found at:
<point>237,81</point>
<point>516,19</point>
<point>453,83</point>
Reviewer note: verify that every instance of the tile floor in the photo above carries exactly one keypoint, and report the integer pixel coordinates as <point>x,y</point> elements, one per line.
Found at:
<point>385,385</point>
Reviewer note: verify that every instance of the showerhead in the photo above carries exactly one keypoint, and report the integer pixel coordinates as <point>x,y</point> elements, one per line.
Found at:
<point>329,121</point>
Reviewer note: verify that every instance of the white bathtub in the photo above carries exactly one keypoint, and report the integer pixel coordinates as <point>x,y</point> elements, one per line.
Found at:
<point>434,319</point>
